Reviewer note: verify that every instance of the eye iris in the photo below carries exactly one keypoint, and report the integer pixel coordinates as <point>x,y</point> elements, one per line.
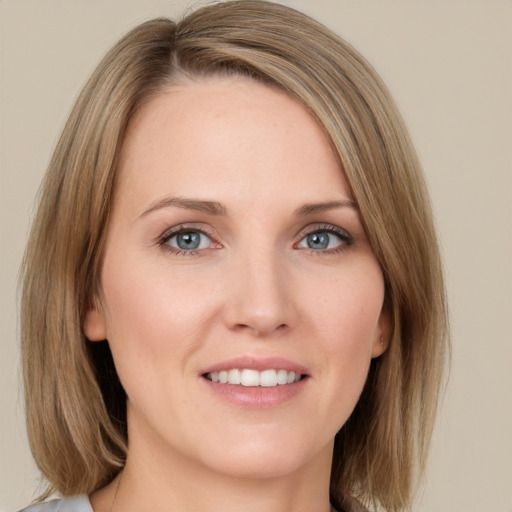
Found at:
<point>318,240</point>
<point>188,240</point>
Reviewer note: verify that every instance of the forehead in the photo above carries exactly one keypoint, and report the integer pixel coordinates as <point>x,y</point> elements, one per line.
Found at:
<point>199,136</point>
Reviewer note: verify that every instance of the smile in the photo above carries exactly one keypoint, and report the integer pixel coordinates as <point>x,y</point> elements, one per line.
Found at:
<point>254,378</point>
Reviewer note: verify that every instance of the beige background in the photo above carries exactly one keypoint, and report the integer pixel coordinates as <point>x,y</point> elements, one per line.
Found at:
<point>448,64</point>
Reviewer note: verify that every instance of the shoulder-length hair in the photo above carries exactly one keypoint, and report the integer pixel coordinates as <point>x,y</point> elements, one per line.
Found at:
<point>75,405</point>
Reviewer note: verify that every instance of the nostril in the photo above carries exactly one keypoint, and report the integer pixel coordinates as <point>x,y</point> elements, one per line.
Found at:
<point>260,328</point>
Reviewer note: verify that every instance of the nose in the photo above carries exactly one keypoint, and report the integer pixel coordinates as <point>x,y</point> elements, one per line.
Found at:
<point>259,296</point>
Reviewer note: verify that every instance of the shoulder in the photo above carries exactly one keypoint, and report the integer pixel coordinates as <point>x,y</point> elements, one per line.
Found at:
<point>73,504</point>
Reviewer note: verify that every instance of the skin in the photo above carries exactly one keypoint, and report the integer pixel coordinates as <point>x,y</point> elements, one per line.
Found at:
<point>254,288</point>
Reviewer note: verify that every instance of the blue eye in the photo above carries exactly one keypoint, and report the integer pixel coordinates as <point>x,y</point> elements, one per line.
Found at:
<point>189,240</point>
<point>325,240</point>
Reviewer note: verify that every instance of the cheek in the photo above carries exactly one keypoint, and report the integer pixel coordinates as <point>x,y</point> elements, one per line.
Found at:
<point>149,298</point>
<point>347,323</point>
<point>155,322</point>
<point>153,318</point>
<point>348,313</point>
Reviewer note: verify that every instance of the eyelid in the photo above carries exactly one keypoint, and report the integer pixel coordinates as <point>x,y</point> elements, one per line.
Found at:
<point>324,226</point>
<point>184,227</point>
<point>346,238</point>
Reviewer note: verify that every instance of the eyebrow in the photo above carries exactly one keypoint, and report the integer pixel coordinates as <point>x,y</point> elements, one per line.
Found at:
<point>216,208</point>
<point>313,208</point>
<point>210,207</point>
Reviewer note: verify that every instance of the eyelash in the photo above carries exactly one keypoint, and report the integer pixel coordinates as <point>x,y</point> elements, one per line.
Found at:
<point>346,239</point>
<point>167,235</point>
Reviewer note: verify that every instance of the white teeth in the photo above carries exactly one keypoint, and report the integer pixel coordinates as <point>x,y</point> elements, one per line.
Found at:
<point>234,376</point>
<point>282,377</point>
<point>254,378</point>
<point>250,378</point>
<point>268,378</point>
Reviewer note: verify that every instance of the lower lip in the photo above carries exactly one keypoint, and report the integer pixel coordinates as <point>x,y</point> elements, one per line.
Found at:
<point>256,397</point>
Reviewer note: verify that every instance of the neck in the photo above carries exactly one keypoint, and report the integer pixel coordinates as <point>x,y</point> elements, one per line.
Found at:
<point>198,490</point>
<point>160,480</point>
<point>159,477</point>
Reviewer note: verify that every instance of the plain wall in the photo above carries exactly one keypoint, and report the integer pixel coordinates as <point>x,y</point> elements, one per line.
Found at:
<point>448,65</point>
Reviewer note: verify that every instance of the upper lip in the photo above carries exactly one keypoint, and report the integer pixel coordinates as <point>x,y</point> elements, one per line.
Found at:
<point>256,363</point>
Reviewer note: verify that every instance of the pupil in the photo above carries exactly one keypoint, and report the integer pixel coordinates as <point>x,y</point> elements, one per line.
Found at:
<point>318,241</point>
<point>189,240</point>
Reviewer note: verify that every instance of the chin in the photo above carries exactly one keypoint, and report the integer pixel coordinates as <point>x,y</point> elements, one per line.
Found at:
<point>266,460</point>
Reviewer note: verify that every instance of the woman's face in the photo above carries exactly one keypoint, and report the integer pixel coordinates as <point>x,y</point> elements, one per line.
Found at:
<point>235,252</point>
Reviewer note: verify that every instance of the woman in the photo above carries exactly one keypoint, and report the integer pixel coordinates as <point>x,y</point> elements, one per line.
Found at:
<point>245,305</point>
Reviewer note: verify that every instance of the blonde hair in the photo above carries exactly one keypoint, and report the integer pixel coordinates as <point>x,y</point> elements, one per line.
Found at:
<point>75,404</point>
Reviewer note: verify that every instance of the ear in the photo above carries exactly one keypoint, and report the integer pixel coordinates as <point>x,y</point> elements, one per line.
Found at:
<point>383,333</point>
<point>94,323</point>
